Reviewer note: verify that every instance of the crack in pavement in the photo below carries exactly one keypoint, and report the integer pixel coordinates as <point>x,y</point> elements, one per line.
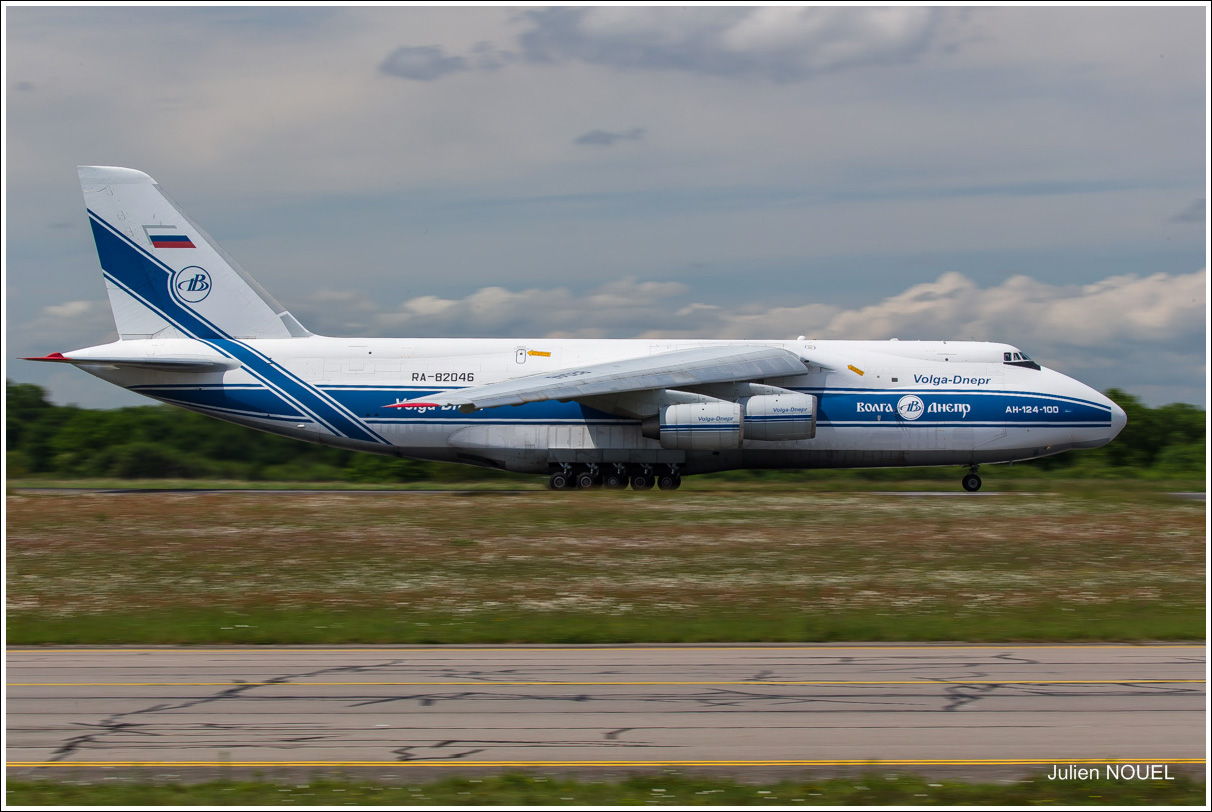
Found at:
<point>959,699</point>
<point>703,700</point>
<point>405,754</point>
<point>115,723</point>
<point>408,752</point>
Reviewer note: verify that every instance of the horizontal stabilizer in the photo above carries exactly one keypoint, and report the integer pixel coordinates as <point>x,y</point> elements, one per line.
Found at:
<point>666,370</point>
<point>159,363</point>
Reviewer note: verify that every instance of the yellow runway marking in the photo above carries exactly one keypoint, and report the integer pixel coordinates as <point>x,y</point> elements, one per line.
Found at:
<point>491,684</point>
<point>981,762</point>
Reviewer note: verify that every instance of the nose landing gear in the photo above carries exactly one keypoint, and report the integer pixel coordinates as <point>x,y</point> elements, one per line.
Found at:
<point>971,482</point>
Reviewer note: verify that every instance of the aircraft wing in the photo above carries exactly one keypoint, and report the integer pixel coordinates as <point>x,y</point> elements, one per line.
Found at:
<point>666,370</point>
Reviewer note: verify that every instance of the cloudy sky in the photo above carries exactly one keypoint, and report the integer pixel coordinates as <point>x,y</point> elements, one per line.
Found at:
<point>1030,175</point>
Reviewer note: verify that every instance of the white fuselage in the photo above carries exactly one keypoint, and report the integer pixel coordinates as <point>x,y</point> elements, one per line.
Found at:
<point>880,403</point>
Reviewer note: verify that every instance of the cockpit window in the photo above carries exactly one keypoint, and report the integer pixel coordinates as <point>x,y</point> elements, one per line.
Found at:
<point>1017,358</point>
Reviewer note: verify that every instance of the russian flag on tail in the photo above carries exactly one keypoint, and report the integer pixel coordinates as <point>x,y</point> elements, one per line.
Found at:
<point>167,237</point>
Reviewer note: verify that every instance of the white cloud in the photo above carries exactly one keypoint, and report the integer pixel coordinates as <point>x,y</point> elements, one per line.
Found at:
<point>67,326</point>
<point>622,305</point>
<point>607,138</point>
<point>1113,314</point>
<point>1195,214</point>
<point>782,43</point>
<point>1090,327</point>
<point>423,64</point>
<point>69,310</point>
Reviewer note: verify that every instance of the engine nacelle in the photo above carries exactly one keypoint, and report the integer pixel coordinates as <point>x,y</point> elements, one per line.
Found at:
<point>789,416</point>
<point>710,426</point>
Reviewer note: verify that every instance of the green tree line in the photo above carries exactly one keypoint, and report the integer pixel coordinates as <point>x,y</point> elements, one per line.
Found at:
<point>166,442</point>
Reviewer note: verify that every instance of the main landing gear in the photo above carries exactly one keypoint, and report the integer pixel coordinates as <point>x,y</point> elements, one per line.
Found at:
<point>643,481</point>
<point>615,476</point>
<point>971,482</point>
<point>669,482</point>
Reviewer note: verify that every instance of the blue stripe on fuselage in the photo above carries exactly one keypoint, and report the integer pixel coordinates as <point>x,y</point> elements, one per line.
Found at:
<point>959,408</point>
<point>148,280</point>
<point>371,402</point>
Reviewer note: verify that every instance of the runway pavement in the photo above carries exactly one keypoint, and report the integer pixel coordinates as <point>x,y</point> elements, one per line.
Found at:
<point>413,712</point>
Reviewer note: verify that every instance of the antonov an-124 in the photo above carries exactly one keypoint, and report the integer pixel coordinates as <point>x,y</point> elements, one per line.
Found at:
<point>196,331</point>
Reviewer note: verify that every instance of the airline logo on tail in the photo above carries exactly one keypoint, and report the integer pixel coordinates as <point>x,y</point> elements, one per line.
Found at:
<point>167,237</point>
<point>192,284</point>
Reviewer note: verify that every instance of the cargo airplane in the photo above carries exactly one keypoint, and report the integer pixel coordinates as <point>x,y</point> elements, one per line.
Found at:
<point>195,330</point>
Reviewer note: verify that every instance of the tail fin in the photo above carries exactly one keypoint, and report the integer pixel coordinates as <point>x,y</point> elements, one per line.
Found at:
<point>165,276</point>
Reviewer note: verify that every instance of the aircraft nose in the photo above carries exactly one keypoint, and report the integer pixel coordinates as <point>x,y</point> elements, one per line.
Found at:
<point>1119,419</point>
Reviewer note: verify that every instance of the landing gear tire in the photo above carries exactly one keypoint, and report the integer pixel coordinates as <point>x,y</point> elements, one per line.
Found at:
<point>669,482</point>
<point>642,482</point>
<point>972,483</point>
<point>560,481</point>
<point>614,482</point>
<point>586,480</point>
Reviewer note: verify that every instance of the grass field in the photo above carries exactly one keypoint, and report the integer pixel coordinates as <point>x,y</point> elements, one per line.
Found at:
<point>1001,478</point>
<point>720,562</point>
<point>670,790</point>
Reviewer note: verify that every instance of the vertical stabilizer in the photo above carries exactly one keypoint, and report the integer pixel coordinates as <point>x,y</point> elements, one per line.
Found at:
<point>165,276</point>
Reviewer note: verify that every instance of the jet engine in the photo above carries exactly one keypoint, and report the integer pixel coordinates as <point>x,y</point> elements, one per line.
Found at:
<point>783,416</point>
<point>709,426</point>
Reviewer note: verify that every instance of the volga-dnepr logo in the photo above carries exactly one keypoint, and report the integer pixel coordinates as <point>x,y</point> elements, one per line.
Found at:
<point>910,407</point>
<point>191,284</point>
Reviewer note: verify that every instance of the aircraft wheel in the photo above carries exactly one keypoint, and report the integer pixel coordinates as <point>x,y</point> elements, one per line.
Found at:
<point>669,482</point>
<point>586,480</point>
<point>972,483</point>
<point>614,482</point>
<point>642,482</point>
<point>560,481</point>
